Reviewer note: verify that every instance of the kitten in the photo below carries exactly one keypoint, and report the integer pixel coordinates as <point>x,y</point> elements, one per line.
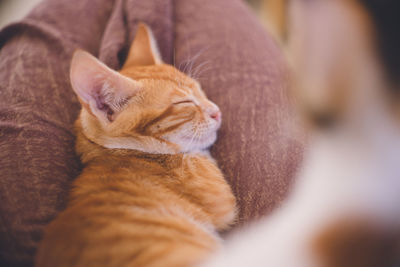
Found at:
<point>149,194</point>
<point>344,210</point>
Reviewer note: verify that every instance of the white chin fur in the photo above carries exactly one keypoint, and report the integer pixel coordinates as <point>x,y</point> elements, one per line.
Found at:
<point>190,145</point>
<point>151,145</point>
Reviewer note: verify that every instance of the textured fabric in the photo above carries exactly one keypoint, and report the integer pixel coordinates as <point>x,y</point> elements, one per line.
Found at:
<point>218,41</point>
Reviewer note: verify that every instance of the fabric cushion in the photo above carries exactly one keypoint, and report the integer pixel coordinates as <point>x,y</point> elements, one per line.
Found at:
<point>220,42</point>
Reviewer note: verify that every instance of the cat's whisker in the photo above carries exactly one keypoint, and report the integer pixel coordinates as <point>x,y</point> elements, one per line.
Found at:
<point>193,61</point>
<point>190,61</point>
<point>198,68</point>
<point>180,66</point>
<point>191,68</point>
<point>183,66</point>
<point>199,75</point>
<point>187,146</point>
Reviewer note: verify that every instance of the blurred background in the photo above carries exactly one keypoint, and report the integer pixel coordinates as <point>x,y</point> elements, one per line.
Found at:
<point>13,10</point>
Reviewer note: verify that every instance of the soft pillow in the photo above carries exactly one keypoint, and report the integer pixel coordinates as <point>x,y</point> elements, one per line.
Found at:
<point>218,41</point>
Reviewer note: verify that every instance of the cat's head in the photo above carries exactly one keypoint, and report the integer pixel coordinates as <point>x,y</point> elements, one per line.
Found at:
<point>148,105</point>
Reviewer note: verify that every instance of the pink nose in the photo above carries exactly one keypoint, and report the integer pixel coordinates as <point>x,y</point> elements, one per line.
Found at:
<point>216,115</point>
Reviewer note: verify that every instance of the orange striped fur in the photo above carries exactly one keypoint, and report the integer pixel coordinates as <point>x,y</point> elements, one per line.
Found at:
<point>149,194</point>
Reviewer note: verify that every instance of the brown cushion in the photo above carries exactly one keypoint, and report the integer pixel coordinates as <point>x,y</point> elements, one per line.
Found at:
<point>219,41</point>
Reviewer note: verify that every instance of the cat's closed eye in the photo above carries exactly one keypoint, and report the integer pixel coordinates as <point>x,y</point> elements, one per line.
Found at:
<point>187,101</point>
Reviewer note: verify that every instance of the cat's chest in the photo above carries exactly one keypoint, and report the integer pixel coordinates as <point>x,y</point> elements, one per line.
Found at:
<point>197,174</point>
<point>199,165</point>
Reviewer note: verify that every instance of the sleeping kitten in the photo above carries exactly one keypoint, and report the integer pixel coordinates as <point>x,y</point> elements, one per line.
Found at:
<point>344,210</point>
<point>149,194</point>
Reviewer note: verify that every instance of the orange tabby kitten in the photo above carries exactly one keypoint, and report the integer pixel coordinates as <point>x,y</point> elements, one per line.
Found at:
<point>148,195</point>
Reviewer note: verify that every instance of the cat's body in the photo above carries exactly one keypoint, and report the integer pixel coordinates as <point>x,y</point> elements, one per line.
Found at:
<point>344,210</point>
<point>149,194</point>
<point>130,208</point>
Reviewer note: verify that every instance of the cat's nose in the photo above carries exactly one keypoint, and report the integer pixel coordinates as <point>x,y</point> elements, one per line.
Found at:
<point>216,115</point>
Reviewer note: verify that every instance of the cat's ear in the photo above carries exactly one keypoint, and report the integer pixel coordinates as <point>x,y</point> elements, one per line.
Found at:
<point>101,90</point>
<point>144,50</point>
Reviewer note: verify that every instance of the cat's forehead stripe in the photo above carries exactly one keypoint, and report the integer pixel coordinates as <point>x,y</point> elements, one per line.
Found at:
<point>183,92</point>
<point>184,86</point>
